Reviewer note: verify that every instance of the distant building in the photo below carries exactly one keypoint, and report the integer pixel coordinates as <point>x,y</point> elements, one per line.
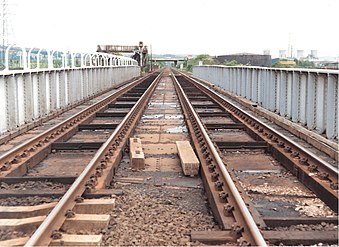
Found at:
<point>282,53</point>
<point>247,59</point>
<point>314,54</point>
<point>267,52</point>
<point>300,54</point>
<point>328,64</point>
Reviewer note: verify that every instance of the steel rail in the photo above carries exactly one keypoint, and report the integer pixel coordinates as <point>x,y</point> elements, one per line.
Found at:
<point>55,219</point>
<point>317,174</point>
<point>325,164</point>
<point>22,151</point>
<point>250,226</point>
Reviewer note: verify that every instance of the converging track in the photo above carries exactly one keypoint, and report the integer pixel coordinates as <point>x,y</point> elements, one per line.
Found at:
<point>76,183</point>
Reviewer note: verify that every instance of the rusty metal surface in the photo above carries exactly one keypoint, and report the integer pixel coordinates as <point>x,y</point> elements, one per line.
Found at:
<point>218,182</point>
<point>104,159</point>
<point>20,156</point>
<point>26,132</point>
<point>315,173</point>
<point>226,144</point>
<point>270,190</point>
<point>161,204</point>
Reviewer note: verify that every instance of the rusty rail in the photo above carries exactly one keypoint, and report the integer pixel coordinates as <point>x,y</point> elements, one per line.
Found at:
<point>87,180</point>
<point>20,155</point>
<point>246,226</point>
<point>317,174</point>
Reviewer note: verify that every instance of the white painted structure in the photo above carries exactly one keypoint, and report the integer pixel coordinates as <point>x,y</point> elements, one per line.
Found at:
<point>305,96</point>
<point>28,94</point>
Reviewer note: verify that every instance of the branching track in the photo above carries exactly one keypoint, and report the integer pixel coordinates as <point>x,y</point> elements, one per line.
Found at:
<point>250,171</point>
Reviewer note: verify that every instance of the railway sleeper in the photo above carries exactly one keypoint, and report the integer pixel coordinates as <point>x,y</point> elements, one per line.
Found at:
<point>65,240</point>
<point>89,215</point>
<point>273,237</point>
<point>121,104</point>
<point>289,158</point>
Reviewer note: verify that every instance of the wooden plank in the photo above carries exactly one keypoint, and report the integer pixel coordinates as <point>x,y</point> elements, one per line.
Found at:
<point>97,126</point>
<point>301,237</point>
<point>77,240</point>
<point>5,194</point>
<point>27,225</point>
<point>14,242</point>
<point>103,192</point>
<point>122,104</point>
<point>95,206</point>
<point>214,114</point>
<point>76,145</point>
<point>88,206</point>
<point>189,161</point>
<point>111,114</point>
<point>214,126</point>
<point>16,180</point>
<point>274,237</point>
<point>242,145</point>
<point>289,221</point>
<point>19,212</point>
<point>137,157</point>
<point>132,180</point>
<point>86,222</point>
<point>212,237</point>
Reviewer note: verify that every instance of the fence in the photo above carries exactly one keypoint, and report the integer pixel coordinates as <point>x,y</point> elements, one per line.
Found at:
<point>308,97</point>
<point>27,95</point>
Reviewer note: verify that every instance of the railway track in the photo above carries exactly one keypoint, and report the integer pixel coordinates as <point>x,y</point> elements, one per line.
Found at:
<point>266,166</point>
<point>81,174</point>
<point>66,153</point>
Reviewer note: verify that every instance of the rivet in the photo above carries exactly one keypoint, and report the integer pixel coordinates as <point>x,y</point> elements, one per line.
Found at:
<point>69,213</point>
<point>211,167</point>
<point>228,209</point>
<point>218,185</point>
<point>223,196</point>
<point>215,176</point>
<point>295,154</point>
<point>303,161</point>
<point>323,175</point>
<point>79,199</point>
<point>281,144</point>
<point>56,234</point>
<point>313,168</point>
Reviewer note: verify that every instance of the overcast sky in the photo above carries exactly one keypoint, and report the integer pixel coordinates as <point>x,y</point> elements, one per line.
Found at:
<point>214,27</point>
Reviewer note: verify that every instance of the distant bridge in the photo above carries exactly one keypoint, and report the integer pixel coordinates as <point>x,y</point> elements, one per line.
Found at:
<point>118,48</point>
<point>168,59</point>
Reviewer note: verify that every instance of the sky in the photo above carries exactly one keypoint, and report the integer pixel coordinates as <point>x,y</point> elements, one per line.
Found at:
<point>214,27</point>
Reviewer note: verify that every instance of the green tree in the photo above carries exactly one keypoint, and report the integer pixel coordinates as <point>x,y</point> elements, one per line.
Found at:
<point>232,63</point>
<point>204,58</point>
<point>305,64</point>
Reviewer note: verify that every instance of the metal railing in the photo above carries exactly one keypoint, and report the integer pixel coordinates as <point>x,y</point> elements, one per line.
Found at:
<point>305,96</point>
<point>34,58</point>
<point>28,94</point>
